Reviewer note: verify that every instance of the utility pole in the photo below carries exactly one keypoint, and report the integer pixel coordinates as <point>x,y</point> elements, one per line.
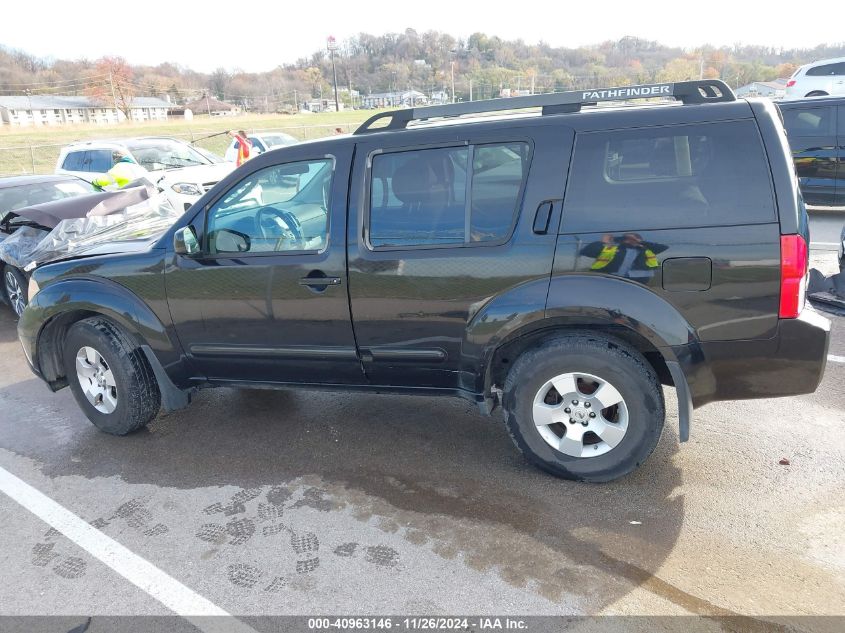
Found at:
<point>32,116</point>
<point>295,100</point>
<point>332,46</point>
<point>113,97</point>
<point>452,71</point>
<point>470,89</point>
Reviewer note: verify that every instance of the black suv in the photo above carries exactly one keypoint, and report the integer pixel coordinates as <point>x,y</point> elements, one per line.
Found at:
<point>816,132</point>
<point>562,263</point>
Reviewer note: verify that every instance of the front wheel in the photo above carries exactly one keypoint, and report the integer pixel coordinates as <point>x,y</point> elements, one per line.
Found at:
<point>110,377</point>
<point>584,407</point>
<point>15,285</point>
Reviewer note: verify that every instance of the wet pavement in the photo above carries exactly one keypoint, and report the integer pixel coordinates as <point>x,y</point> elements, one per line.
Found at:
<point>282,502</point>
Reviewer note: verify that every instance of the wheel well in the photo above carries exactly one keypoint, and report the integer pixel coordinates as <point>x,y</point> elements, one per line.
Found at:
<point>816,93</point>
<point>51,343</point>
<point>506,354</point>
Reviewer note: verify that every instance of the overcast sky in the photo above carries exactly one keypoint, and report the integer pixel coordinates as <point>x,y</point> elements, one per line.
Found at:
<point>206,35</point>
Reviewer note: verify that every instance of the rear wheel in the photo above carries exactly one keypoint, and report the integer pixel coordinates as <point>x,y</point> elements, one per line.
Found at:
<point>109,376</point>
<point>14,285</point>
<point>584,407</point>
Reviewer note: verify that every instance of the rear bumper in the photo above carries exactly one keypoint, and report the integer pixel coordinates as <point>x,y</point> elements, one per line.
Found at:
<point>790,364</point>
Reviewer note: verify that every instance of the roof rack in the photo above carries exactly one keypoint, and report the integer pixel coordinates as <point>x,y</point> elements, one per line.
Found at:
<point>688,92</point>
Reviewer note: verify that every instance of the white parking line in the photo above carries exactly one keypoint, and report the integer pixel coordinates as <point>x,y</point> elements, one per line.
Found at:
<point>140,572</point>
<point>835,359</point>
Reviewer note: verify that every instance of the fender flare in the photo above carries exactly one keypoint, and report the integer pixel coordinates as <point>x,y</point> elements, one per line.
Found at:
<point>99,296</point>
<point>582,301</point>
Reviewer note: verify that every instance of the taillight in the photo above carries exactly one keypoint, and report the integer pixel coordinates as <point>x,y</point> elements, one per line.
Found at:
<point>793,275</point>
<point>790,83</point>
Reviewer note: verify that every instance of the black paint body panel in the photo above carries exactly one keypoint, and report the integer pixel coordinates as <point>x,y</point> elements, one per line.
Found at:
<point>431,320</point>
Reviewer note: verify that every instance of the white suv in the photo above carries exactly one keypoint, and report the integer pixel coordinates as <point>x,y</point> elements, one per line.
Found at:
<point>819,79</point>
<point>174,165</point>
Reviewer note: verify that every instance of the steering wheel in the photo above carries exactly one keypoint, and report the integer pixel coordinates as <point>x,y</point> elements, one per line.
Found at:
<point>282,225</point>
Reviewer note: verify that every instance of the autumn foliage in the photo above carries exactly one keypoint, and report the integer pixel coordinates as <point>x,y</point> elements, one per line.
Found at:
<point>112,84</point>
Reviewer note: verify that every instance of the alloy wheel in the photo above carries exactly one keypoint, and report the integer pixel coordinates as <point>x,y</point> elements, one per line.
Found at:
<point>580,415</point>
<point>96,380</point>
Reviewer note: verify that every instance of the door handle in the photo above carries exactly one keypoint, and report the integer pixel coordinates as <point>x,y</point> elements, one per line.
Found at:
<point>542,217</point>
<point>319,280</point>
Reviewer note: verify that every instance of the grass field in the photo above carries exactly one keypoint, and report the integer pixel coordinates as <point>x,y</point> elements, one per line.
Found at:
<point>36,149</point>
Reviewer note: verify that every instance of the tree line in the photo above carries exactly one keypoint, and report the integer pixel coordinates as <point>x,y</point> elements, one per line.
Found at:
<point>479,67</point>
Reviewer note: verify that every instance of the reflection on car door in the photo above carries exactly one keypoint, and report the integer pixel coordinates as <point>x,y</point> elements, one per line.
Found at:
<point>261,310</point>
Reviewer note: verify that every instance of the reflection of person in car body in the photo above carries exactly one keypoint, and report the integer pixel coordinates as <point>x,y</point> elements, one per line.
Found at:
<point>629,256</point>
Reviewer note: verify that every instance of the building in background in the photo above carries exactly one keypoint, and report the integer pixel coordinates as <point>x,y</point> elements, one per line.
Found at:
<point>320,105</point>
<point>405,98</point>
<point>214,107</point>
<point>774,89</point>
<point>25,110</point>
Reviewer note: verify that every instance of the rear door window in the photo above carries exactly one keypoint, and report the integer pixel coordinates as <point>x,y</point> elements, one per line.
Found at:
<point>74,161</point>
<point>809,121</point>
<point>452,196</point>
<point>668,177</point>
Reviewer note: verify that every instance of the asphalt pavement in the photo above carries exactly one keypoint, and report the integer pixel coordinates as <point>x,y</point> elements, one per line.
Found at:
<point>308,503</point>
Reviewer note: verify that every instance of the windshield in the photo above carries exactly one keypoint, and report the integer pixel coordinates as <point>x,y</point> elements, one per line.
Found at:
<point>12,198</point>
<point>278,140</point>
<point>211,156</point>
<point>158,154</point>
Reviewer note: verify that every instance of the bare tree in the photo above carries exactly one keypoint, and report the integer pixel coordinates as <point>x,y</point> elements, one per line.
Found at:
<point>113,84</point>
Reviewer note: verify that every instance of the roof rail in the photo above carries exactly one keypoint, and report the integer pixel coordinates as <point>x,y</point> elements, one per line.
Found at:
<point>688,92</point>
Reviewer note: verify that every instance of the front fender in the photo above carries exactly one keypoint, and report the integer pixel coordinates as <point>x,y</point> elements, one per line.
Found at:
<point>64,299</point>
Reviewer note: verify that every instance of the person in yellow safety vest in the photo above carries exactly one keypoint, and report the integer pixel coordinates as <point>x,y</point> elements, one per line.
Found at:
<point>629,256</point>
<point>124,171</point>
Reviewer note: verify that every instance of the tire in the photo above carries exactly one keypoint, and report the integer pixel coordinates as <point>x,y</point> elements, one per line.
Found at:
<point>614,440</point>
<point>15,288</point>
<point>816,93</point>
<point>115,372</point>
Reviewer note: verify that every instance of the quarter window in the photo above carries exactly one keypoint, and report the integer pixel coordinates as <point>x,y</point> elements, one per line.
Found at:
<point>808,121</point>
<point>446,196</point>
<point>276,209</point>
<point>827,70</point>
<point>668,177</point>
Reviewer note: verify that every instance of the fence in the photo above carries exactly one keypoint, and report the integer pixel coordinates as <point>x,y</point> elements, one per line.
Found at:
<point>42,158</point>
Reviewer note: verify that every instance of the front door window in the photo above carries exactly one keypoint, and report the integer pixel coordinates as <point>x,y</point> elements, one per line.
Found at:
<point>277,209</point>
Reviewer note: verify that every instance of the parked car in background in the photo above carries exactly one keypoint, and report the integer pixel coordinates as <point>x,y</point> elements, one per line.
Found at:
<point>260,143</point>
<point>819,79</point>
<point>563,266</point>
<point>18,192</point>
<point>815,129</point>
<point>175,164</point>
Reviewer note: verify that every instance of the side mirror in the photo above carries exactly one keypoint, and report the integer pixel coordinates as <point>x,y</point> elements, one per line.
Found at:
<point>229,241</point>
<point>185,241</point>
